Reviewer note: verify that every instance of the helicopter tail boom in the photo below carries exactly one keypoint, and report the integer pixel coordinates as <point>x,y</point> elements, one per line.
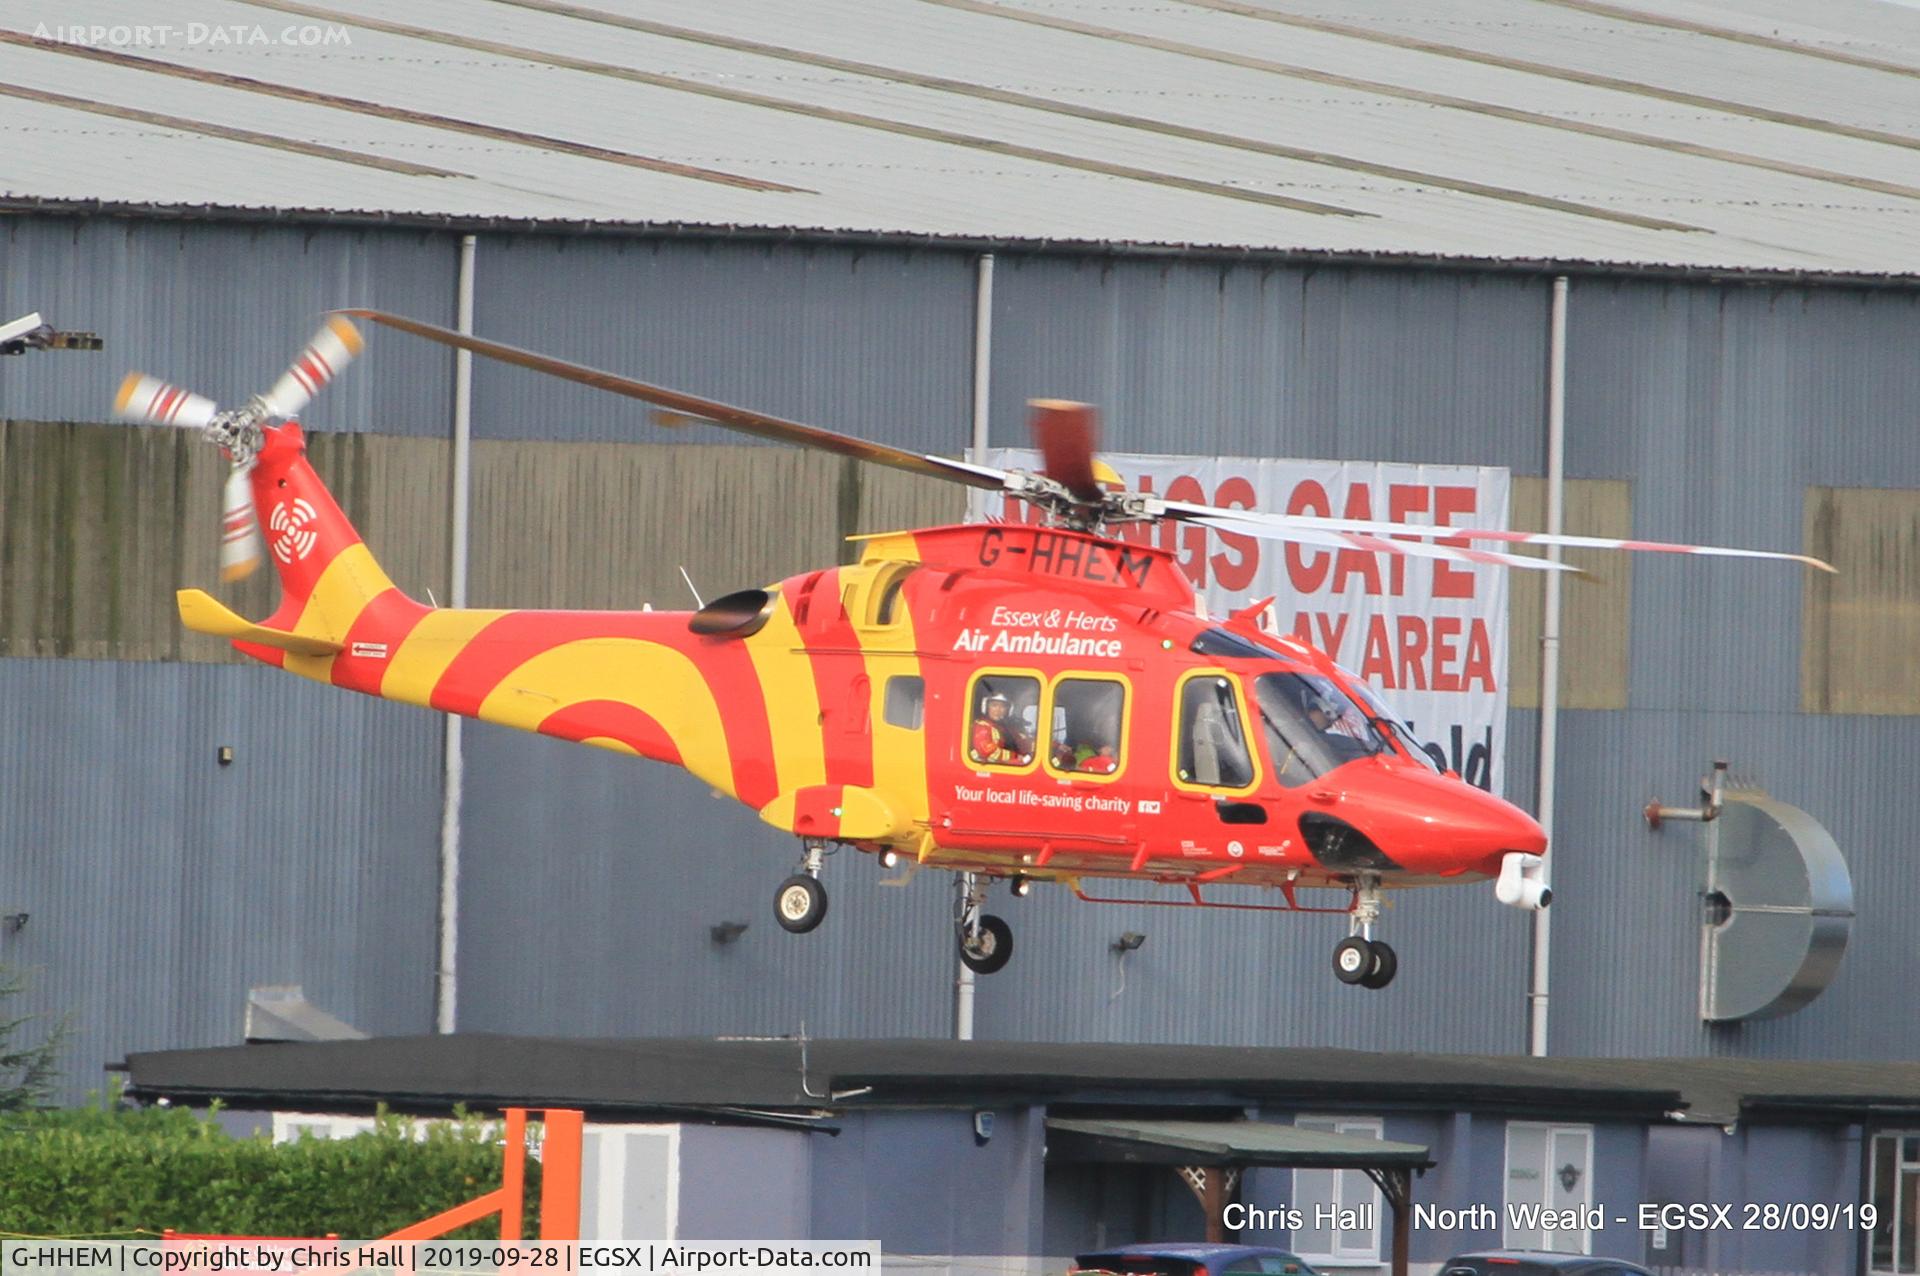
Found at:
<point>640,683</point>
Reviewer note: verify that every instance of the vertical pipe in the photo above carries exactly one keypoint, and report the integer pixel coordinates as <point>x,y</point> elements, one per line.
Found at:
<point>982,352</point>
<point>447,986</point>
<point>1542,965</point>
<point>963,978</point>
<point>1400,1200</point>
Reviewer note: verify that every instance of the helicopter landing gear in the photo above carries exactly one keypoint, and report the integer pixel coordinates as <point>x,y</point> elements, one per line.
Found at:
<point>801,902</point>
<point>1360,958</point>
<point>986,942</point>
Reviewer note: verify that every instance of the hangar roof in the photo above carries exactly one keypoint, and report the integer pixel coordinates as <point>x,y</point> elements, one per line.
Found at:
<point>1710,135</point>
<point>704,1074</point>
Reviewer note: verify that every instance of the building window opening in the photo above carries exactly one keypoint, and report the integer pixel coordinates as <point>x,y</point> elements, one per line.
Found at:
<point>1895,1228</point>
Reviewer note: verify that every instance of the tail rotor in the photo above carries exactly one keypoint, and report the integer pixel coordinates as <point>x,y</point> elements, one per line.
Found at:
<point>154,402</point>
<point>335,346</point>
<point>239,432</point>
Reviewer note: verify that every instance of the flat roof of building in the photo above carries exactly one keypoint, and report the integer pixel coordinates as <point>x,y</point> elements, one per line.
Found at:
<point>1717,135</point>
<point>655,1076</point>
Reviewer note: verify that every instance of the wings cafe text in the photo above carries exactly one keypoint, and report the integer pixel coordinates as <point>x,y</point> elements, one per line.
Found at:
<point>1431,635</point>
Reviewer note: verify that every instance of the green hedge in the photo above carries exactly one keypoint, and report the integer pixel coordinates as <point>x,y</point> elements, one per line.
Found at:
<point>109,1172</point>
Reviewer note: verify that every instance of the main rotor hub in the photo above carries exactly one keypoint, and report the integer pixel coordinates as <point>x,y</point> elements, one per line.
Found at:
<point>241,431</point>
<point>1063,509</point>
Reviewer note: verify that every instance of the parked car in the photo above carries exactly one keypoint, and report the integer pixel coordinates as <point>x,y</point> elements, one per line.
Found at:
<point>1181,1259</point>
<point>1533,1262</point>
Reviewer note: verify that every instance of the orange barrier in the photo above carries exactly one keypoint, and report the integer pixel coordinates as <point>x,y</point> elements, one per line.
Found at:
<point>559,1191</point>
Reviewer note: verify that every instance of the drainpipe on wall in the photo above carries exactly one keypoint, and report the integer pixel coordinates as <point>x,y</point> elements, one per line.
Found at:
<point>963,985</point>
<point>447,984</point>
<point>1542,965</point>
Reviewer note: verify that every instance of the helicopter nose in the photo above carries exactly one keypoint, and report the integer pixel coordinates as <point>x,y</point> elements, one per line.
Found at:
<point>1419,822</point>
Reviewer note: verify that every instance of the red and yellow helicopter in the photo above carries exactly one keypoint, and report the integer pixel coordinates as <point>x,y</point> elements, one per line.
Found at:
<point>1014,702</point>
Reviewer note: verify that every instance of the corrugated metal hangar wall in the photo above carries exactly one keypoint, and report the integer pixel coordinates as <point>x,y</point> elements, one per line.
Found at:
<point>158,885</point>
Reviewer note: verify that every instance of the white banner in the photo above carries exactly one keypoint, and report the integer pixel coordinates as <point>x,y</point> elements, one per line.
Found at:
<point>1431,637</point>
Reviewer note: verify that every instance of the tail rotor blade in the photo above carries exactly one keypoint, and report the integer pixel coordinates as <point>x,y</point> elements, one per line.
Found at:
<point>153,401</point>
<point>1067,435</point>
<point>239,529</point>
<point>332,348</point>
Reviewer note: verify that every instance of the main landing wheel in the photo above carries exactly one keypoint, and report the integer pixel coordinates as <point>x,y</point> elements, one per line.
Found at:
<point>1370,963</point>
<point>1385,965</point>
<point>800,904</point>
<point>1352,960</point>
<point>989,948</point>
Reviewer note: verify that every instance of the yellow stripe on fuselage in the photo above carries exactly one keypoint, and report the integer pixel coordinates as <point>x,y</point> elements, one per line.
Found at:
<point>423,656</point>
<point>785,672</point>
<point>351,581</point>
<point>659,681</point>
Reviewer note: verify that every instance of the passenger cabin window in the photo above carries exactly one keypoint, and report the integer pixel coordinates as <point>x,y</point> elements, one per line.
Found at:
<point>1213,747</point>
<point>906,702</point>
<point>1088,727</point>
<point>1005,710</point>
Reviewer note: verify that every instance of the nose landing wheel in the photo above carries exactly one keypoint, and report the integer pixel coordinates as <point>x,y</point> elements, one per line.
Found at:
<point>1370,963</point>
<point>1359,958</point>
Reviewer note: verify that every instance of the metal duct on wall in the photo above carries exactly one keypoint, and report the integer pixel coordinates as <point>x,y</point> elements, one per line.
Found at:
<point>1777,905</point>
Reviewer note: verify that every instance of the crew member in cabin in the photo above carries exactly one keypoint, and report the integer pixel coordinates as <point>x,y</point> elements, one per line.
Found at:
<point>1096,756</point>
<point>997,735</point>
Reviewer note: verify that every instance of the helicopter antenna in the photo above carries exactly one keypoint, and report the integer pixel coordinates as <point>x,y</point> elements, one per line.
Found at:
<point>691,588</point>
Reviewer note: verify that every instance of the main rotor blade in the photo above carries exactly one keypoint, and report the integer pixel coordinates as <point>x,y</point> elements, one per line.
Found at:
<point>1431,532</point>
<point>149,399</point>
<point>1280,528</point>
<point>331,349</point>
<point>742,420</point>
<point>1067,435</point>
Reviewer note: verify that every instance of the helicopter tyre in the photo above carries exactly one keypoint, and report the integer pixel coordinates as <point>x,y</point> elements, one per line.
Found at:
<point>990,949</point>
<point>1386,964</point>
<point>1353,960</point>
<point>800,904</point>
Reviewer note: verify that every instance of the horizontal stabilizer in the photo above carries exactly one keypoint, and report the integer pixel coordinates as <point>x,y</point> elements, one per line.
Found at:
<point>205,614</point>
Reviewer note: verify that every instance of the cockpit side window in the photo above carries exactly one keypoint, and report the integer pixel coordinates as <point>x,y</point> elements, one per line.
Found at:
<point>1212,748</point>
<point>1312,726</point>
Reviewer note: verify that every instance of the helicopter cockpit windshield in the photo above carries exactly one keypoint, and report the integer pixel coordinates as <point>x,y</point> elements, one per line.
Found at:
<point>1383,713</point>
<point>1312,726</point>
